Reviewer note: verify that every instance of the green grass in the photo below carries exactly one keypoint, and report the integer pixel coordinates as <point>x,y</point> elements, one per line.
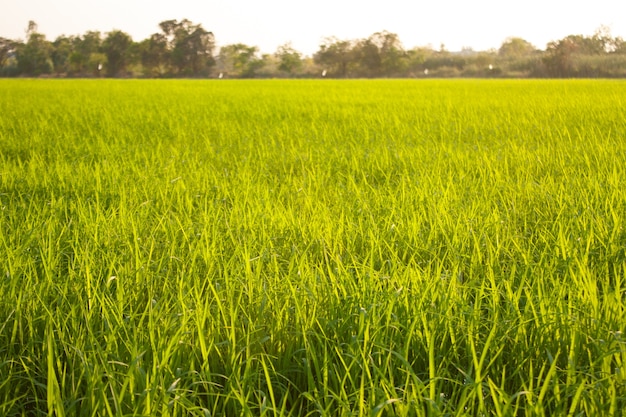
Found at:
<point>294,248</point>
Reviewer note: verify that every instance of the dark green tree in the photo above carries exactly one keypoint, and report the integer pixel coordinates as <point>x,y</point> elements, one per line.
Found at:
<point>116,47</point>
<point>368,58</point>
<point>86,57</point>
<point>603,41</point>
<point>395,59</point>
<point>416,59</point>
<point>515,48</point>
<point>190,46</point>
<point>240,60</point>
<point>620,46</point>
<point>34,57</point>
<point>7,49</point>
<point>561,56</point>
<point>155,56</point>
<point>62,49</point>
<point>336,56</point>
<point>289,60</point>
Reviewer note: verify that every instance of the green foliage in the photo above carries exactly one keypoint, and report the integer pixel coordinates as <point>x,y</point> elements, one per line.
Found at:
<point>365,248</point>
<point>337,56</point>
<point>190,46</point>
<point>34,57</point>
<point>381,54</point>
<point>185,49</point>
<point>585,56</point>
<point>116,47</point>
<point>86,58</point>
<point>7,47</point>
<point>239,60</point>
<point>61,51</point>
<point>516,48</point>
<point>289,59</point>
<point>155,55</point>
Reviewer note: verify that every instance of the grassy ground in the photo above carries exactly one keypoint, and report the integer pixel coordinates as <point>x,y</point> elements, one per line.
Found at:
<point>302,248</point>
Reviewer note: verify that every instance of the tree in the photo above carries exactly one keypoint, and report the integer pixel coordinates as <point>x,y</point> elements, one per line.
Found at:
<point>34,57</point>
<point>381,54</point>
<point>560,58</point>
<point>116,48</point>
<point>336,55</point>
<point>191,46</point>
<point>7,48</point>
<point>515,48</point>
<point>392,54</point>
<point>367,56</point>
<point>289,60</point>
<point>155,56</point>
<point>62,49</point>
<point>86,58</point>
<point>416,59</point>
<point>620,46</point>
<point>240,60</point>
<point>604,41</point>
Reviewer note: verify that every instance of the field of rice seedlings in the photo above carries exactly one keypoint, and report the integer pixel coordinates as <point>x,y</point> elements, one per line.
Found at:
<point>319,247</point>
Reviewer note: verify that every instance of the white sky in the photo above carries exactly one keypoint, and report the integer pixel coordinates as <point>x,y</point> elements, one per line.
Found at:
<point>480,24</point>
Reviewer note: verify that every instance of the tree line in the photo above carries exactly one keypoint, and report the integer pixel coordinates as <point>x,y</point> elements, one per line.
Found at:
<point>186,49</point>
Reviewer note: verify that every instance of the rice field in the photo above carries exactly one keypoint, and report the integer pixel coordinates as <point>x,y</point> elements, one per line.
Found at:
<point>312,248</point>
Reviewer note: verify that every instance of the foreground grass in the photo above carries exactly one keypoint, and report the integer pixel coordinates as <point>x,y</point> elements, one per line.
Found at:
<point>312,248</point>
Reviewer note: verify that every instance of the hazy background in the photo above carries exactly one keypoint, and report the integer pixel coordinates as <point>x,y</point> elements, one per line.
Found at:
<point>480,24</point>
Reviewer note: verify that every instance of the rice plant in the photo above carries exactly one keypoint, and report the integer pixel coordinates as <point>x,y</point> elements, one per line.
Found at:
<point>318,247</point>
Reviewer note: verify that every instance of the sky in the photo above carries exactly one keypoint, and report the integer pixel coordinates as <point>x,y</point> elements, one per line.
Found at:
<point>477,24</point>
